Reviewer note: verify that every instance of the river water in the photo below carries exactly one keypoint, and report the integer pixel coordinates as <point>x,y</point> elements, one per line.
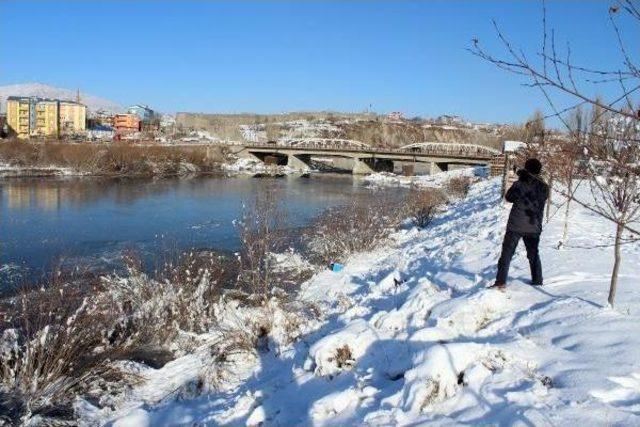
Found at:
<point>88,222</point>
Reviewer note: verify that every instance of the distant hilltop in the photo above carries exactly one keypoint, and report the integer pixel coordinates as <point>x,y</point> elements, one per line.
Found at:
<point>391,130</point>
<point>41,90</point>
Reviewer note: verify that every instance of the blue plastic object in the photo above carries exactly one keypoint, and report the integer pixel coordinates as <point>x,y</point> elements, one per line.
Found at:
<point>335,267</point>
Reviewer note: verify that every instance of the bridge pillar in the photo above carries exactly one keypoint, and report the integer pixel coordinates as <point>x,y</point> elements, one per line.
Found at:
<point>300,162</point>
<point>244,154</point>
<point>360,167</point>
<point>434,168</point>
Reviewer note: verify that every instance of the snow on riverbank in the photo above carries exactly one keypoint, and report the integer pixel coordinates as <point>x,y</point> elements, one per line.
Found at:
<point>251,167</point>
<point>7,170</point>
<point>386,179</point>
<point>409,334</point>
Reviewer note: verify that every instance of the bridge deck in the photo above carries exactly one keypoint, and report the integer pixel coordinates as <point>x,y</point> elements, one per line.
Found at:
<point>458,152</point>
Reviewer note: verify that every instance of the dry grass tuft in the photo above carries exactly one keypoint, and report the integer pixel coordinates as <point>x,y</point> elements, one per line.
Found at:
<point>423,204</point>
<point>458,187</point>
<point>344,358</point>
<point>358,226</point>
<point>57,345</point>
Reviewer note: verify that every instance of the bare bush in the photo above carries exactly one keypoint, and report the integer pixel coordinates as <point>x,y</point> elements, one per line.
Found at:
<point>261,234</point>
<point>51,353</point>
<point>458,186</point>
<point>181,299</point>
<point>422,205</point>
<point>199,279</point>
<point>107,159</point>
<point>247,329</point>
<point>358,226</point>
<point>343,357</point>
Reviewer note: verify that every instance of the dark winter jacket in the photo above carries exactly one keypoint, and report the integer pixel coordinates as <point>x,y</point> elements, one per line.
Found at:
<point>528,195</point>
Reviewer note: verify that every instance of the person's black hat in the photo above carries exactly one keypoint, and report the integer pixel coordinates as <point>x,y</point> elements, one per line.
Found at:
<point>533,166</point>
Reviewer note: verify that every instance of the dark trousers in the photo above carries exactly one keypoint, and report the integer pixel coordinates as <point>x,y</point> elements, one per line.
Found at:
<point>531,241</point>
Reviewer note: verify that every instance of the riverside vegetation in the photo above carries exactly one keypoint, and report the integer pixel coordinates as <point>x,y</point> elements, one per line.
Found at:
<point>78,338</point>
<point>107,159</point>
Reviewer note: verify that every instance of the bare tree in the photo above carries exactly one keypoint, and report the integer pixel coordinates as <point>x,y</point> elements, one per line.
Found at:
<point>535,130</point>
<point>261,234</point>
<point>568,153</point>
<point>612,137</point>
<point>615,163</point>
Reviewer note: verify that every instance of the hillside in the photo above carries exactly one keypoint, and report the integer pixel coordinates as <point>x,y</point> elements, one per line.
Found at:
<point>409,335</point>
<point>93,103</point>
<point>373,129</point>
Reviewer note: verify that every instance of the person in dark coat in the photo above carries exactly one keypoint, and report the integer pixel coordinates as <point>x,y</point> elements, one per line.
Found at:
<point>528,195</point>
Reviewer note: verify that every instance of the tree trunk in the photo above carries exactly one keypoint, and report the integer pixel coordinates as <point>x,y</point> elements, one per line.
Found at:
<point>549,198</point>
<point>565,231</point>
<point>616,264</point>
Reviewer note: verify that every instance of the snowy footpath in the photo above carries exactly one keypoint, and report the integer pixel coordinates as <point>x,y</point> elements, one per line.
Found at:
<point>410,335</point>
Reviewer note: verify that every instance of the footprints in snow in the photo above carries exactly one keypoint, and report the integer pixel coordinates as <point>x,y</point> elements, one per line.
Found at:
<point>626,393</point>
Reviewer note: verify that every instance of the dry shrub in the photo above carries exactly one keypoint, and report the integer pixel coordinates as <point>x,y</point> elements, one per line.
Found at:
<point>64,341</point>
<point>356,227</point>
<point>458,187</point>
<point>199,276</point>
<point>261,230</point>
<point>343,357</point>
<point>60,343</point>
<point>181,299</point>
<point>432,395</point>
<point>18,153</point>
<point>423,204</point>
<point>246,330</point>
<point>242,332</point>
<point>108,159</point>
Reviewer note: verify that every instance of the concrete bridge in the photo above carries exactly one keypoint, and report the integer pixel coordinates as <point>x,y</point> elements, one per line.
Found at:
<point>429,157</point>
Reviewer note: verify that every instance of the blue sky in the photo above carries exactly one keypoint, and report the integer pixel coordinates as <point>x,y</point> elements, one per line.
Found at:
<point>284,56</point>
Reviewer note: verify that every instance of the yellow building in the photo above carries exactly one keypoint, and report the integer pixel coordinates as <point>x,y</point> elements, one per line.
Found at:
<point>18,116</point>
<point>73,117</point>
<point>30,116</point>
<point>46,118</point>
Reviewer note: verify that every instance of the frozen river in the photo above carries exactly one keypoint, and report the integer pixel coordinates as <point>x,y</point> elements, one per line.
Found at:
<point>89,222</point>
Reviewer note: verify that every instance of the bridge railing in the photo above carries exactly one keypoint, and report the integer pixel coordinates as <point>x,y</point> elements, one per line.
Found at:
<point>435,149</point>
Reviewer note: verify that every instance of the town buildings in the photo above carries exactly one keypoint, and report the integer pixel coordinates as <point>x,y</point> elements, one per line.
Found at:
<point>73,117</point>
<point>145,113</point>
<point>395,116</point>
<point>40,117</point>
<point>149,119</point>
<point>18,116</point>
<point>126,123</point>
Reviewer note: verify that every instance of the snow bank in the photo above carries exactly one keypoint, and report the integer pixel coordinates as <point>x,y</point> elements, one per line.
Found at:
<point>437,180</point>
<point>428,343</point>
<point>7,170</point>
<point>251,167</point>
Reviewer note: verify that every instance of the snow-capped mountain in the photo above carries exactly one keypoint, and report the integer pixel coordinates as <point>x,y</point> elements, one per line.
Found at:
<point>93,103</point>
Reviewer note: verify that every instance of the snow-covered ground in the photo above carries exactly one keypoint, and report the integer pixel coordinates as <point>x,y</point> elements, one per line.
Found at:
<point>386,179</point>
<point>251,167</point>
<point>410,335</point>
<point>7,170</point>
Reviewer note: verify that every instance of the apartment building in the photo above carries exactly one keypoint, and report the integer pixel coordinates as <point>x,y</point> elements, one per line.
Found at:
<point>149,119</point>
<point>126,123</point>
<point>18,116</point>
<point>73,117</point>
<point>46,118</point>
<point>145,113</point>
<point>32,116</point>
